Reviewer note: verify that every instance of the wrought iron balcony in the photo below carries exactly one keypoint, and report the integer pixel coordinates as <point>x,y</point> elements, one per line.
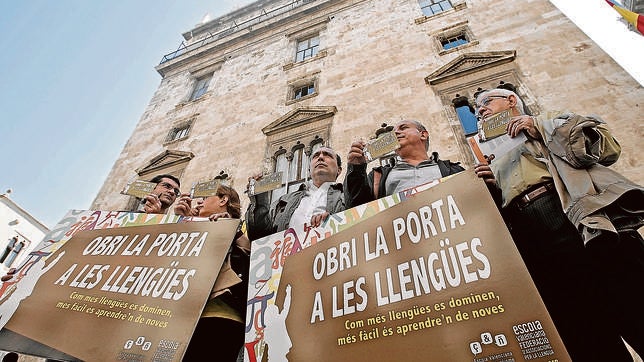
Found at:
<point>187,46</point>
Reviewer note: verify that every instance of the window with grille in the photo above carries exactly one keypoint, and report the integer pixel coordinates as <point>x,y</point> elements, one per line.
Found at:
<point>455,38</point>
<point>302,91</point>
<point>179,132</point>
<point>454,41</point>
<point>302,88</point>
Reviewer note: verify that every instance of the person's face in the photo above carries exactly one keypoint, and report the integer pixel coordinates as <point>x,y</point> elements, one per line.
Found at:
<point>490,103</point>
<point>213,205</point>
<point>197,205</point>
<point>408,134</point>
<point>324,166</point>
<point>167,190</point>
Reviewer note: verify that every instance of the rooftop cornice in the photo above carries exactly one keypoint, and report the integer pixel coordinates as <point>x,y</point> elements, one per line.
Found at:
<point>231,36</point>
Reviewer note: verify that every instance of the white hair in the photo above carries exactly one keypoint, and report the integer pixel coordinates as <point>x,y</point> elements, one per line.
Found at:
<point>501,92</point>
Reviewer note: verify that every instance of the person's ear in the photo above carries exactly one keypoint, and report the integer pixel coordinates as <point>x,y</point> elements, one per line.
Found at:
<point>424,135</point>
<point>513,100</point>
<point>223,200</point>
<point>339,171</point>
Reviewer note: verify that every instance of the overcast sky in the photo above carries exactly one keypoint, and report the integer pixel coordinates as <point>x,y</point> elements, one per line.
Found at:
<point>78,74</point>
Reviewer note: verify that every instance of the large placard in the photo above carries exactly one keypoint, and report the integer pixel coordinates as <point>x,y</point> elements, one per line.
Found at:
<point>124,293</point>
<point>434,277</point>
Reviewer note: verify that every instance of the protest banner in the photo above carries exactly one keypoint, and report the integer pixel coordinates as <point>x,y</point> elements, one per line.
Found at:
<point>119,293</point>
<point>436,277</point>
<point>269,253</point>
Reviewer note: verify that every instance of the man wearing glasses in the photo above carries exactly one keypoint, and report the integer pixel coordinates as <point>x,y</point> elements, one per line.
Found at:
<point>574,221</point>
<point>163,195</point>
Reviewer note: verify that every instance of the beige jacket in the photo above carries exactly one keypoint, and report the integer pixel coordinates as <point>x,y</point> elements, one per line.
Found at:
<point>227,278</point>
<point>595,198</point>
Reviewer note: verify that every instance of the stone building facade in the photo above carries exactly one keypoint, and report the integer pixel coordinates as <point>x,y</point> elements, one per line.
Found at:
<point>258,88</point>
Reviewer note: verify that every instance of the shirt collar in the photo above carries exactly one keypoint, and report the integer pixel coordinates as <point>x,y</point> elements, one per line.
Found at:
<point>424,162</point>
<point>308,185</point>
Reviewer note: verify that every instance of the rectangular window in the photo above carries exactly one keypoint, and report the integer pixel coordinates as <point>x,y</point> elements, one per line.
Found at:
<point>179,131</point>
<point>432,7</point>
<point>302,91</point>
<point>453,41</point>
<point>307,48</point>
<point>201,87</point>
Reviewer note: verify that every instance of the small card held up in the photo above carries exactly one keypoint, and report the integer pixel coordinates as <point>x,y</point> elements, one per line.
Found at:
<point>266,183</point>
<point>139,188</point>
<point>381,146</point>
<point>206,188</point>
<point>494,125</point>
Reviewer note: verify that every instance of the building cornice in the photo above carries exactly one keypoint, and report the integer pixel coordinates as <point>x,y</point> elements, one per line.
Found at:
<point>22,212</point>
<point>231,38</point>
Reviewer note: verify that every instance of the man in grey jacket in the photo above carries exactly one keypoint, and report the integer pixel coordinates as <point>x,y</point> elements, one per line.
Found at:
<point>414,166</point>
<point>575,223</point>
<point>313,202</point>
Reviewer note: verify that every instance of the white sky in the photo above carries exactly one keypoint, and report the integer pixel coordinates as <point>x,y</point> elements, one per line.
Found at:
<point>602,24</point>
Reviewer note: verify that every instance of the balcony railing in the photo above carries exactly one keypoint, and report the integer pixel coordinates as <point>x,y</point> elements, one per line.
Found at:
<point>234,27</point>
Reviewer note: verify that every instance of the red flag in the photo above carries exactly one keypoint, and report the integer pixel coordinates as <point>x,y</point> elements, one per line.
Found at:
<point>635,19</point>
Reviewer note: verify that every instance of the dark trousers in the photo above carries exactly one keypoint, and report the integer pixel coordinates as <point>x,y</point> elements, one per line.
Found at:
<point>218,339</point>
<point>618,272</point>
<point>563,272</point>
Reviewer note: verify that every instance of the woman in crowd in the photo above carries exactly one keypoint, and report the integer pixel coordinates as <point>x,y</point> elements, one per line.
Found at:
<point>226,308</point>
